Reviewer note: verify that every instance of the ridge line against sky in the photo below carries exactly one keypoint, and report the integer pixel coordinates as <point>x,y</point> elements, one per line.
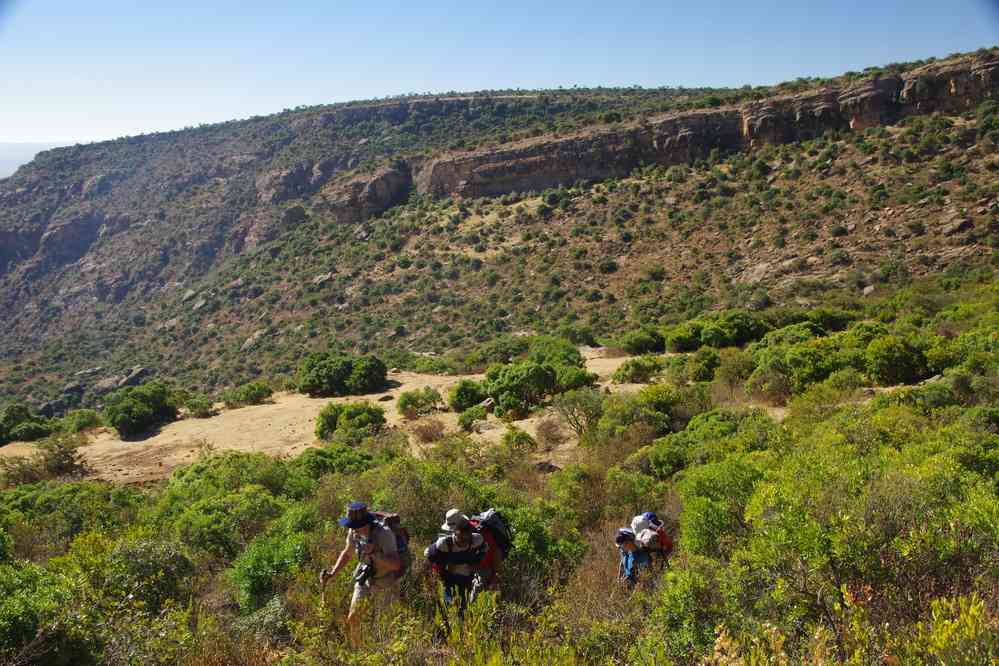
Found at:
<point>79,72</point>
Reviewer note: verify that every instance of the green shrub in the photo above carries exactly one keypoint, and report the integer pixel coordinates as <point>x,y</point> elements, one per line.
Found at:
<point>518,387</point>
<point>465,394</point>
<point>251,393</point>
<point>221,525</point>
<point>517,441</point>
<point>570,378</point>
<point>334,459</point>
<point>268,556</point>
<point>642,341</point>
<point>892,360</point>
<point>789,335</point>
<point>30,431</point>
<point>352,420</point>
<point>732,328</point>
<point>701,365</point>
<point>199,406</point>
<point>639,370</point>
<point>18,423</point>
<point>153,571</point>
<point>79,420</point>
<point>324,374</point>
<point>134,410</point>
<point>688,610</point>
<point>29,597</point>
<point>332,374</point>
<point>714,498</point>
<point>685,337</point>
<point>580,409</point>
<point>69,508</point>
<point>553,351</point>
<point>418,402</point>
<point>6,547</point>
<point>468,418</point>
<point>734,366</point>
<point>367,375</point>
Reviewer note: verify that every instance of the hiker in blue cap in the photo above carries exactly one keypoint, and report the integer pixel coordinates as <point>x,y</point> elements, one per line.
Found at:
<point>378,560</point>
<point>633,558</point>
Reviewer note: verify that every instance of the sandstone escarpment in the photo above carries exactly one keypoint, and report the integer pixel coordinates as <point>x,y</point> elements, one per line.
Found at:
<point>612,153</point>
<point>683,137</point>
<point>362,197</point>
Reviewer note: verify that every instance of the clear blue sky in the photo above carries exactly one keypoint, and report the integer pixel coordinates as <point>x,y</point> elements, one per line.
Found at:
<point>77,70</point>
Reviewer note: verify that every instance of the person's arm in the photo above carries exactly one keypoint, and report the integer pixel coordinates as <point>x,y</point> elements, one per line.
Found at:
<point>341,562</point>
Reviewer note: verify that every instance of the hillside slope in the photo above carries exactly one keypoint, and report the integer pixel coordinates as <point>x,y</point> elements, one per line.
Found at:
<point>369,226</point>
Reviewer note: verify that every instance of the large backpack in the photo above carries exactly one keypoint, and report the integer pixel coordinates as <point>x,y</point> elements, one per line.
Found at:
<point>490,523</point>
<point>393,523</point>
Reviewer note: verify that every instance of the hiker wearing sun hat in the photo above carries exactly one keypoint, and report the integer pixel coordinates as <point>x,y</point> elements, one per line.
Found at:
<point>377,559</point>
<point>455,556</point>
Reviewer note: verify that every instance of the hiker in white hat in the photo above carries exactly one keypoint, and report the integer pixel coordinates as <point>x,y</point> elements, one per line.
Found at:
<point>455,556</point>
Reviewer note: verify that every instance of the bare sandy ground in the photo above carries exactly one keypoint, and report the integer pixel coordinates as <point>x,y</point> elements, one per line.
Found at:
<point>283,427</point>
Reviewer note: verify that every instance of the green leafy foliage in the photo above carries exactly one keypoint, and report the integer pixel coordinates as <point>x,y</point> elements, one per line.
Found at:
<point>468,418</point>
<point>332,374</point>
<point>892,360</point>
<point>351,420</point>
<point>134,410</point>
<point>466,394</point>
<point>18,423</point>
<point>518,387</point>
<point>639,370</point>
<point>418,402</point>
<point>78,420</point>
<point>251,393</point>
<point>642,341</point>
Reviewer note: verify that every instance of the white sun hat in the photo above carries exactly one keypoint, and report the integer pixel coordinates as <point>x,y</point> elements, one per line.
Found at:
<point>454,520</point>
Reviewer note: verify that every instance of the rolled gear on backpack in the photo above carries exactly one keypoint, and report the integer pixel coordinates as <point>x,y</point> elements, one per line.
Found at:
<point>644,521</point>
<point>651,535</point>
<point>499,538</point>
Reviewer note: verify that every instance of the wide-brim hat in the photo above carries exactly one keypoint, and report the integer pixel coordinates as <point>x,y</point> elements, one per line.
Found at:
<point>454,520</point>
<point>357,516</point>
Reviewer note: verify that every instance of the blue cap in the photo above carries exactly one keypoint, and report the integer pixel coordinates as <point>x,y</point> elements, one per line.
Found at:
<point>357,516</point>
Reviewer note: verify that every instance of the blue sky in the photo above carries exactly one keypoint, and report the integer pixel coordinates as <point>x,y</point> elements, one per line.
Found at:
<point>80,71</point>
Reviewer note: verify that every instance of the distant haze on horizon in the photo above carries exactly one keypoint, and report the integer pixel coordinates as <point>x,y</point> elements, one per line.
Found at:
<point>80,72</point>
<point>13,155</point>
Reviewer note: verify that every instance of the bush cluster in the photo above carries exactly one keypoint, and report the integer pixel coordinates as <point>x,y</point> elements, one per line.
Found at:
<point>349,420</point>
<point>18,423</point>
<point>418,402</point>
<point>251,393</point>
<point>135,409</point>
<point>333,374</point>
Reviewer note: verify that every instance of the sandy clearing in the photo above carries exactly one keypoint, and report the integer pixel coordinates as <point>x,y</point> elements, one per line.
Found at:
<point>286,426</point>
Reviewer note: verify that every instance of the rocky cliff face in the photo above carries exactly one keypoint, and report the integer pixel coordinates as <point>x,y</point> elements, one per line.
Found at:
<point>611,153</point>
<point>680,138</point>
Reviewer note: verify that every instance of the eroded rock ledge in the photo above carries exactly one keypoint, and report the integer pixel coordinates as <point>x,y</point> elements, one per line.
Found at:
<point>682,137</point>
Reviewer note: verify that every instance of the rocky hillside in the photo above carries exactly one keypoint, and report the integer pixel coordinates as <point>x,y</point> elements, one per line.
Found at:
<point>426,224</point>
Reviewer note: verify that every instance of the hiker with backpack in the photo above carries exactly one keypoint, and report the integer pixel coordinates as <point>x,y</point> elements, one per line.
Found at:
<point>457,557</point>
<point>379,564</point>
<point>633,558</point>
<point>652,537</point>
